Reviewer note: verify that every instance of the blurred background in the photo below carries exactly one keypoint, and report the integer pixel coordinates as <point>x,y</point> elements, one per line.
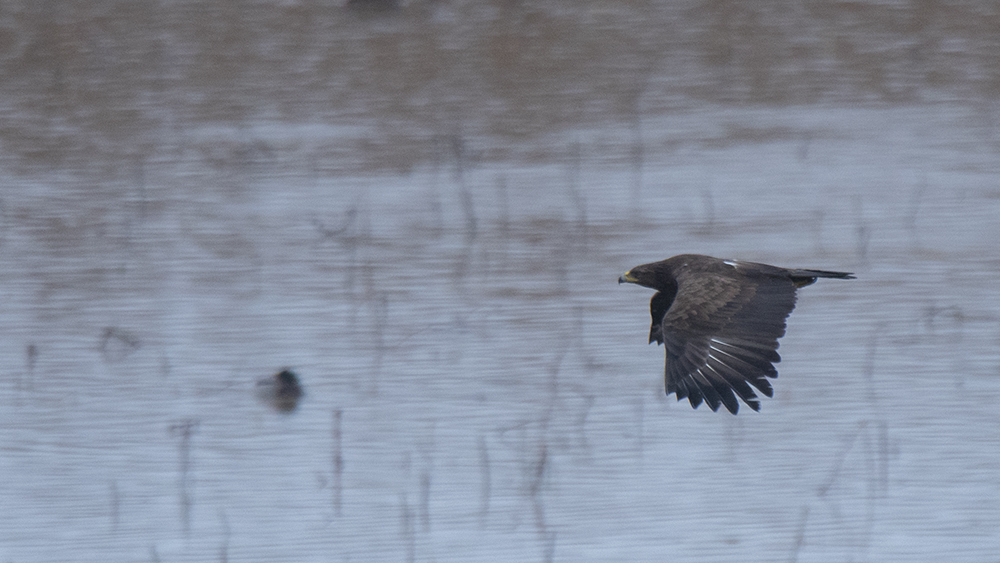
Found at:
<point>422,208</point>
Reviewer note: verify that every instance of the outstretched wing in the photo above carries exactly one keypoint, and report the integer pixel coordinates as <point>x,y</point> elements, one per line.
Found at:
<point>721,337</point>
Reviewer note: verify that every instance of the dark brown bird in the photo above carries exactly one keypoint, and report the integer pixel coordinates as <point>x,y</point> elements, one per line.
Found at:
<point>282,390</point>
<point>720,321</point>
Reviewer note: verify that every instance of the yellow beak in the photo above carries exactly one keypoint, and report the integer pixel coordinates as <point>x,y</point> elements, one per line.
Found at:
<point>627,277</point>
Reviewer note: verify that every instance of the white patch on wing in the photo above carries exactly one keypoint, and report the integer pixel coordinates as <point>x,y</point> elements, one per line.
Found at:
<point>732,263</point>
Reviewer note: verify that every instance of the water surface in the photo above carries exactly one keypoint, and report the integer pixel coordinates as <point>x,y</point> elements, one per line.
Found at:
<point>424,211</point>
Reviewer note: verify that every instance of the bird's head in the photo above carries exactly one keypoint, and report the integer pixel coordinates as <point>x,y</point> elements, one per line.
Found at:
<point>287,377</point>
<point>646,275</point>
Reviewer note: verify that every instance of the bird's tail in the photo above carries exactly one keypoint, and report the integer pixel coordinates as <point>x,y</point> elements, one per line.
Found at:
<point>802,278</point>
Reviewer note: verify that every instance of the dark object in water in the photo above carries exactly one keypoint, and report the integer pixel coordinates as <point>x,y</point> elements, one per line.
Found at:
<point>720,321</point>
<point>282,391</point>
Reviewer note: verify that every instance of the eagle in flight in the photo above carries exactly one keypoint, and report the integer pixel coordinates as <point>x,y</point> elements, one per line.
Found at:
<point>720,321</point>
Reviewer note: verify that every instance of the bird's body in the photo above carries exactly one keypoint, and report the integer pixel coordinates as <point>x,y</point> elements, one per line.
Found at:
<point>282,390</point>
<point>720,321</point>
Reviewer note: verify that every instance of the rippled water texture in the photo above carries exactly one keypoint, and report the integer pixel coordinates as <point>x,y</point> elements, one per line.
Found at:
<point>422,208</point>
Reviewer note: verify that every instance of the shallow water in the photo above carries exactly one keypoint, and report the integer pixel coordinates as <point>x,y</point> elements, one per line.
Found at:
<point>424,212</point>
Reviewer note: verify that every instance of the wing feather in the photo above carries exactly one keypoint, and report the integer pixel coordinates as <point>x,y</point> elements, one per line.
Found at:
<point>721,336</point>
